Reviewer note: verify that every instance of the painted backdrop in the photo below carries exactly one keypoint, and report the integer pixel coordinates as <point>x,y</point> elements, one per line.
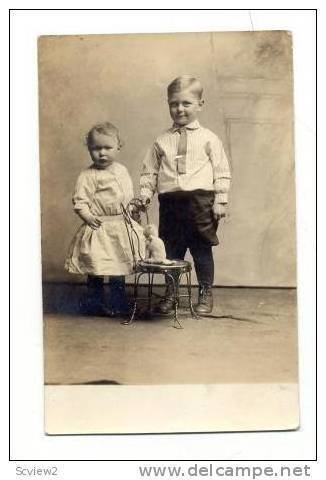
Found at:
<point>247,78</point>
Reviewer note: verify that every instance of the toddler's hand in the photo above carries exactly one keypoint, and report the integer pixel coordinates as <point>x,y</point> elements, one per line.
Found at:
<point>219,210</point>
<point>94,222</point>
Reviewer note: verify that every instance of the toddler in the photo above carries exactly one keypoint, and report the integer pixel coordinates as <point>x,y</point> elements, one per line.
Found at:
<point>101,245</point>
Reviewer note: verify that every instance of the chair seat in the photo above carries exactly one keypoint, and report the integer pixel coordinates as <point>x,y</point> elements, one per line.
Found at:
<point>180,266</point>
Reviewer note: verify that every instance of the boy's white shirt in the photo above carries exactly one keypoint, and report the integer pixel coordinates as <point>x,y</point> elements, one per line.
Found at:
<point>207,164</point>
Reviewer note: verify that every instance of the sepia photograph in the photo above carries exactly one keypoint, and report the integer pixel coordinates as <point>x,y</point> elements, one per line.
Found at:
<point>168,226</point>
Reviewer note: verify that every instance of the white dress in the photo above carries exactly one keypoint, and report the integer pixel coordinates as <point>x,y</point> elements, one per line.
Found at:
<point>107,250</point>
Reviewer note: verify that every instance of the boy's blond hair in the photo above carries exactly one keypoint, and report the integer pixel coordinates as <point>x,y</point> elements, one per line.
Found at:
<point>185,82</point>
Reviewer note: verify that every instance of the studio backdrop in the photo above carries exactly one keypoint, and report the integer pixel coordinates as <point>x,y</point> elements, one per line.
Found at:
<point>247,79</point>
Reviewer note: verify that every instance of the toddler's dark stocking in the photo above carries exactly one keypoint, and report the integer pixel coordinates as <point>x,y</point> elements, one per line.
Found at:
<point>93,302</point>
<point>118,297</point>
<point>95,289</point>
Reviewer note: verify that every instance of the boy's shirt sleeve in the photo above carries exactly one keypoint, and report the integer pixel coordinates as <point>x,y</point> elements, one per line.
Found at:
<point>221,169</point>
<point>83,194</point>
<point>149,173</point>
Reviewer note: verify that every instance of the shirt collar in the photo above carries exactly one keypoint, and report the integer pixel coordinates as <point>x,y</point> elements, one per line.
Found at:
<point>191,126</point>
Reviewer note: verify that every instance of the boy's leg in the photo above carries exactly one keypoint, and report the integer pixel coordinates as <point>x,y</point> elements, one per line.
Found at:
<point>174,251</point>
<point>202,238</point>
<point>204,265</point>
<point>173,208</point>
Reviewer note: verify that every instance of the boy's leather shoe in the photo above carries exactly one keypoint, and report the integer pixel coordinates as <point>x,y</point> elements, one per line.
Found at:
<point>205,300</point>
<point>166,305</point>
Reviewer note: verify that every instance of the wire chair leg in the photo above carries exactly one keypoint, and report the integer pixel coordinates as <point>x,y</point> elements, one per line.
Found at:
<point>191,306</point>
<point>130,320</point>
<point>175,284</point>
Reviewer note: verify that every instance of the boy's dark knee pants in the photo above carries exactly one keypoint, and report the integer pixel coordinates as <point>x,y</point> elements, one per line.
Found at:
<point>186,221</point>
<point>175,250</point>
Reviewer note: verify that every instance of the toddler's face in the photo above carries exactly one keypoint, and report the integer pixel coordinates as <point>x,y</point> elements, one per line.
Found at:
<point>184,107</point>
<point>103,149</point>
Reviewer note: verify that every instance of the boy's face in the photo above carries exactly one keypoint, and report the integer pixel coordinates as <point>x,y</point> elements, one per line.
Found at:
<point>103,149</point>
<point>184,107</point>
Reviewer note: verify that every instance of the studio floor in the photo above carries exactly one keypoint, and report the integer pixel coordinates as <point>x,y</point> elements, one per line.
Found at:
<point>254,339</point>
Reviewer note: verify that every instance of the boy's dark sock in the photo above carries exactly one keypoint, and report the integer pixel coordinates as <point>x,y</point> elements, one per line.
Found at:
<point>204,266</point>
<point>204,263</point>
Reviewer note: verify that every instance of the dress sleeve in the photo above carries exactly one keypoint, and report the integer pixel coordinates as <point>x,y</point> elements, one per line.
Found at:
<point>149,173</point>
<point>221,169</point>
<point>84,193</point>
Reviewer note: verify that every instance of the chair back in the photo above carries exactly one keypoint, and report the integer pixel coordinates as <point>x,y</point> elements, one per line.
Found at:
<point>132,213</point>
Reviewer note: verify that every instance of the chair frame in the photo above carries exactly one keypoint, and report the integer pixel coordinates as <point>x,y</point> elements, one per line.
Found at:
<point>174,272</point>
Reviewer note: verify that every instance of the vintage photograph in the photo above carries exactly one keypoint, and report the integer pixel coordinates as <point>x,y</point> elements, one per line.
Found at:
<point>168,232</point>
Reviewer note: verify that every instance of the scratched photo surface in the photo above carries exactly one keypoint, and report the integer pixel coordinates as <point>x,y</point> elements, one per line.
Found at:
<point>251,340</point>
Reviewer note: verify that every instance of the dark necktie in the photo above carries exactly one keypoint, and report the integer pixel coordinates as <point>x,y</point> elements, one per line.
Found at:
<point>182,151</point>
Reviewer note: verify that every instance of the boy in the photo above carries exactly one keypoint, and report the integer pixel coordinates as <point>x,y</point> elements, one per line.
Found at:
<point>188,168</point>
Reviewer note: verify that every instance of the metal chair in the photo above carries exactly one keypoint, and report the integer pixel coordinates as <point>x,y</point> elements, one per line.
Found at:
<point>174,271</point>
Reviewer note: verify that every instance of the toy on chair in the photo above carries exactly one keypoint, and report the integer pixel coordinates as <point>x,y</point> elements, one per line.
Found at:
<point>155,262</point>
<point>155,248</point>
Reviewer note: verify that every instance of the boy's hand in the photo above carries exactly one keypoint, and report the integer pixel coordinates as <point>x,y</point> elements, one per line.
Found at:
<point>145,201</point>
<point>94,222</point>
<point>134,210</point>
<point>137,204</point>
<point>219,210</point>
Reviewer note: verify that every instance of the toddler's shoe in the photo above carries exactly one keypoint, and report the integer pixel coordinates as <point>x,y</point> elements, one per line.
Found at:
<point>120,309</point>
<point>87,306</point>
